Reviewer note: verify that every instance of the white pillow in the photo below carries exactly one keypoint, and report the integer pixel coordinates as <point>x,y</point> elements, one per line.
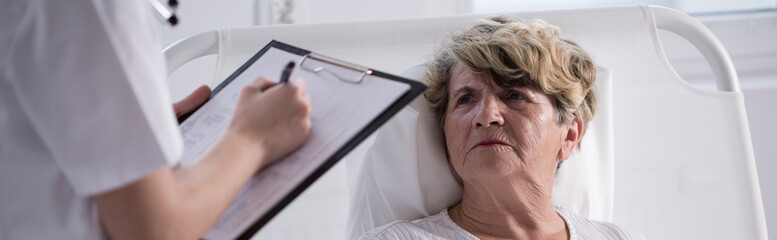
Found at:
<point>405,175</point>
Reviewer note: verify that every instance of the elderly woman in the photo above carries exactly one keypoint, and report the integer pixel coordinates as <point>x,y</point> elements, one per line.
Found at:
<point>513,101</point>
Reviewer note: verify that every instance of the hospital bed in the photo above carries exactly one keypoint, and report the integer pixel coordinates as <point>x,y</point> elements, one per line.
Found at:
<point>662,157</point>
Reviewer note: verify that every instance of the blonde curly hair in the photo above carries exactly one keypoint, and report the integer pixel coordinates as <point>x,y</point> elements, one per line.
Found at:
<point>517,54</point>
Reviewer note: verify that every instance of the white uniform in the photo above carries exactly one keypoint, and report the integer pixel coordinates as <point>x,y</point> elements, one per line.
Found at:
<point>84,109</point>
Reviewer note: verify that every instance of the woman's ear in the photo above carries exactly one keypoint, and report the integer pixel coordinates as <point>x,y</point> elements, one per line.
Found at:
<point>570,138</point>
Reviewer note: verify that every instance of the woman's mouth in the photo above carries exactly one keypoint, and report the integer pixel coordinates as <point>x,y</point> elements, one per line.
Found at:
<point>490,143</point>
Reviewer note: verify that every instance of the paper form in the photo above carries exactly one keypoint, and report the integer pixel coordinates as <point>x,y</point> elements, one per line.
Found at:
<point>340,110</point>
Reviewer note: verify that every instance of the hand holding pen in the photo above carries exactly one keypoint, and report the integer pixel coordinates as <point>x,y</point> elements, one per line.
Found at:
<point>275,116</point>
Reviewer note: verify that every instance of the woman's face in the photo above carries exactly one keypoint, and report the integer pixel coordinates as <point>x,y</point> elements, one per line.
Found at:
<point>493,132</point>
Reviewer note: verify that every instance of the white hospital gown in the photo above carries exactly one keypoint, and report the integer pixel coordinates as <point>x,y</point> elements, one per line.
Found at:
<point>440,226</point>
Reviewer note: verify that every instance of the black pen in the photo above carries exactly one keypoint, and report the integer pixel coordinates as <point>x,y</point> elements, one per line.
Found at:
<point>286,72</point>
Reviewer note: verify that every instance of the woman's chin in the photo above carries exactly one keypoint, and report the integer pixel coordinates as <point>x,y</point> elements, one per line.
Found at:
<point>490,164</point>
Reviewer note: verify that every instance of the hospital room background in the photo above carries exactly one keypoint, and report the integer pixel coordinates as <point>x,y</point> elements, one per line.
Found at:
<point>746,28</point>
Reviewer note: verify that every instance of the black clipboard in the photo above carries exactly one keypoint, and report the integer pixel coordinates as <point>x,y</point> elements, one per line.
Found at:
<point>416,88</point>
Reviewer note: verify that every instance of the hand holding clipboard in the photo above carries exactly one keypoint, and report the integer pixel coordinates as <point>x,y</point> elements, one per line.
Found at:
<point>349,103</point>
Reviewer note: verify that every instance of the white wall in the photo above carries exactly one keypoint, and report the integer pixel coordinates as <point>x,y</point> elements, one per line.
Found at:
<point>320,211</point>
<point>198,16</point>
<point>311,11</point>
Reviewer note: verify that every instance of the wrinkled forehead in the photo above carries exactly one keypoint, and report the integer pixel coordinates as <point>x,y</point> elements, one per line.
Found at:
<point>461,76</point>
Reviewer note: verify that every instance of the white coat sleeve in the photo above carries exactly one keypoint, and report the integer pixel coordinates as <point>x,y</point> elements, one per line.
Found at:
<point>90,76</point>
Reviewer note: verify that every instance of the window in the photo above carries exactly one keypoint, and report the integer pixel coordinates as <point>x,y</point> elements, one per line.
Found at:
<point>688,6</point>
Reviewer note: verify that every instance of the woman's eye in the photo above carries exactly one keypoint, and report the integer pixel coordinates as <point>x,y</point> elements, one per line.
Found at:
<point>515,96</point>
<point>465,99</point>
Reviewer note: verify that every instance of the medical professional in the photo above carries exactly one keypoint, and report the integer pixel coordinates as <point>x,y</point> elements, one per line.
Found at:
<point>88,136</point>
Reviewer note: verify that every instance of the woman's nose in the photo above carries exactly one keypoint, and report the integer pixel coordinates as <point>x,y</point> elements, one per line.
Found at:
<point>489,114</point>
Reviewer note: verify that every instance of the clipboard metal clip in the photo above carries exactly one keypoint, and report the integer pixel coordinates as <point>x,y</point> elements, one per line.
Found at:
<point>355,78</point>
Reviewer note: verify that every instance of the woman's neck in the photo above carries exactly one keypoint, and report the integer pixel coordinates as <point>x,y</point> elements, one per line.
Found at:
<point>514,210</point>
